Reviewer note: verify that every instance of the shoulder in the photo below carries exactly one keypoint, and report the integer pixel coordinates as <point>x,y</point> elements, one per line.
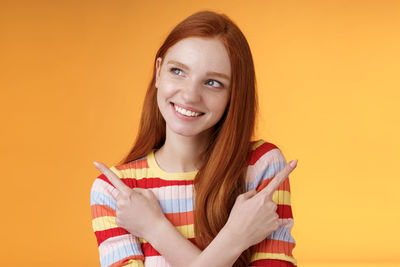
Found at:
<point>129,169</point>
<point>264,161</point>
<point>127,172</point>
<point>263,151</point>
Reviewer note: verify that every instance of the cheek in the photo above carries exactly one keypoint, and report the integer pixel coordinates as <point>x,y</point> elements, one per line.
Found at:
<point>219,103</point>
<point>163,94</point>
<point>166,88</point>
<point>161,103</point>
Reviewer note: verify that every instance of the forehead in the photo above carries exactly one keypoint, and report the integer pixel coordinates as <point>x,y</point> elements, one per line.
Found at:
<point>202,54</point>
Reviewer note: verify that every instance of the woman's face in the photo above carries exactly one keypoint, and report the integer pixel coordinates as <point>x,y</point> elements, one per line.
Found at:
<point>193,82</point>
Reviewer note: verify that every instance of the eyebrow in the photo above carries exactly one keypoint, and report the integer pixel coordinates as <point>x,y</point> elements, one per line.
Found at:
<point>221,75</point>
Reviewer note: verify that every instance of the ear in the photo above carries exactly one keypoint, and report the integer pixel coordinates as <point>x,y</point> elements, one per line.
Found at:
<point>158,68</point>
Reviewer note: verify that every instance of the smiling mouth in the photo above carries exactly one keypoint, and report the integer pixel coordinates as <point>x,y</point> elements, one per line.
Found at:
<point>186,112</point>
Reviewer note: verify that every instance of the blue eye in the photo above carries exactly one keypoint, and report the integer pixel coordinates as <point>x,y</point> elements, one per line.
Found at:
<point>220,84</point>
<point>175,70</point>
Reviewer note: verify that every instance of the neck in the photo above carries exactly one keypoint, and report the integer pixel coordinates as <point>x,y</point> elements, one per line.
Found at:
<point>181,153</point>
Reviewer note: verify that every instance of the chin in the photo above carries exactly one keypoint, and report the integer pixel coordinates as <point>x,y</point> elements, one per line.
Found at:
<point>187,131</point>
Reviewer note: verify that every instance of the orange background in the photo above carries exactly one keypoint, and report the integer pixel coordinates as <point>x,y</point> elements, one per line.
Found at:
<point>73,77</point>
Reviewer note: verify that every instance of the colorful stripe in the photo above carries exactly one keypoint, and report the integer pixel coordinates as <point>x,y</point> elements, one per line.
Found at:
<point>149,251</point>
<point>131,261</point>
<point>104,223</point>
<point>275,246</point>
<point>121,254</point>
<point>112,243</point>
<point>102,210</point>
<point>174,191</point>
<point>101,236</point>
<point>259,149</point>
<point>101,199</point>
<point>181,218</point>
<point>272,263</point>
<point>152,182</point>
<point>176,205</point>
<point>134,166</point>
<point>266,173</point>
<point>273,156</point>
<point>276,256</point>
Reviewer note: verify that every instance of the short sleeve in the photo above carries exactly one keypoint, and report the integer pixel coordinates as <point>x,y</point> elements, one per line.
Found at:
<point>265,161</point>
<point>117,247</point>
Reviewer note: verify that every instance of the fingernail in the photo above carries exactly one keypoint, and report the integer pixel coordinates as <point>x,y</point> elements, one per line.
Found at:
<point>293,163</point>
<point>95,163</point>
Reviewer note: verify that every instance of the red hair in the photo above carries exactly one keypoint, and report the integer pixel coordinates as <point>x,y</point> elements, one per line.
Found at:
<point>222,177</point>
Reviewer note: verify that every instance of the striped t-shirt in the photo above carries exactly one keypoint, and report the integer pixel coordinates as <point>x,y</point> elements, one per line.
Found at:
<point>174,191</point>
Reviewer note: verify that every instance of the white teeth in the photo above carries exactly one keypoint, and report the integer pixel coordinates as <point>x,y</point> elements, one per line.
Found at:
<point>186,112</point>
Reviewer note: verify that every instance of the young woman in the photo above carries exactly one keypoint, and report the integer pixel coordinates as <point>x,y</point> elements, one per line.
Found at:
<point>186,194</point>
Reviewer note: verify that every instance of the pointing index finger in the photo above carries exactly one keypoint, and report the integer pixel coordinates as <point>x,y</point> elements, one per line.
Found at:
<point>112,177</point>
<point>279,178</point>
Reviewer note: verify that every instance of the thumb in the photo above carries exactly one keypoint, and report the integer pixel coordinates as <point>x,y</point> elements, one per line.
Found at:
<point>139,190</point>
<point>245,196</point>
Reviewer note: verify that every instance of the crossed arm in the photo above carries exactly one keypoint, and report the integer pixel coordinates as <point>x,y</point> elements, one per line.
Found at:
<point>252,218</point>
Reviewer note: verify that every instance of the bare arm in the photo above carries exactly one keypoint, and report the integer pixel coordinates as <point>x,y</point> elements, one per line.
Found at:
<point>178,251</point>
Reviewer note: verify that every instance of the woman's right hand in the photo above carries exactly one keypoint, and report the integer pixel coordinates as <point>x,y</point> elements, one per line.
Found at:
<point>138,210</point>
<point>253,216</point>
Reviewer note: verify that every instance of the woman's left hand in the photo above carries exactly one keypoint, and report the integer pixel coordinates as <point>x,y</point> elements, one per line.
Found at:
<point>138,210</point>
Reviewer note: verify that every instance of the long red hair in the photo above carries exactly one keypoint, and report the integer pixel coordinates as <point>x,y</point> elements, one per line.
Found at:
<point>222,177</point>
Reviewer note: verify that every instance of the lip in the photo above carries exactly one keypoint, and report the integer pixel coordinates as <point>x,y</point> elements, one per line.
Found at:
<point>183,117</point>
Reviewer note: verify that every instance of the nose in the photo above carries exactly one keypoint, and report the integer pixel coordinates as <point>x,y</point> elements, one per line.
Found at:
<point>191,92</point>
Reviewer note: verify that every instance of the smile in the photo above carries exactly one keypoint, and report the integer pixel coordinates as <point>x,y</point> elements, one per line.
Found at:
<point>186,112</point>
